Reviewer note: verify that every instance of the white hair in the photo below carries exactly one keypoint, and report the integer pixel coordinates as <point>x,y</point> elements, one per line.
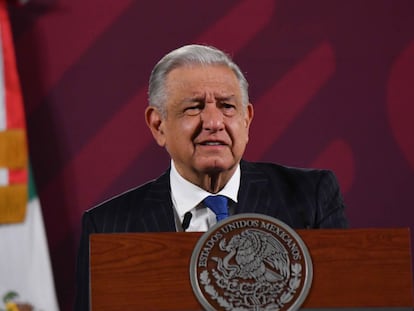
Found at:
<point>188,55</point>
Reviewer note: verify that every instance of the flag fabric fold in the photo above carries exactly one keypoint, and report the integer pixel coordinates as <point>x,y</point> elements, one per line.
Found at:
<point>26,278</point>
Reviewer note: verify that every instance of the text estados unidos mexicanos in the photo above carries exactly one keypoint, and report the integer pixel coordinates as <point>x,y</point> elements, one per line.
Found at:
<point>247,223</point>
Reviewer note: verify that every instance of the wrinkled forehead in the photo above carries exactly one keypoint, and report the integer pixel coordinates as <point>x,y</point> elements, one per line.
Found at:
<point>217,79</point>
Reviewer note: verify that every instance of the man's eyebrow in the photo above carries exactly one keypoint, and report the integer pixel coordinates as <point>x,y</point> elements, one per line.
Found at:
<point>201,98</point>
<point>197,98</point>
<point>225,98</point>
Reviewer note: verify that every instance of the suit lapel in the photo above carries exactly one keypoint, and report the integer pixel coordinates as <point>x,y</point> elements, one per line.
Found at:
<point>159,211</point>
<point>257,194</point>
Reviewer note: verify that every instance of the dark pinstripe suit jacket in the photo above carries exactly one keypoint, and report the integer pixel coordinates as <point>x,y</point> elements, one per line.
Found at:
<point>302,198</point>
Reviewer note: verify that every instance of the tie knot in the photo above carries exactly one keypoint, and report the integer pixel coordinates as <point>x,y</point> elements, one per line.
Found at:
<point>218,204</point>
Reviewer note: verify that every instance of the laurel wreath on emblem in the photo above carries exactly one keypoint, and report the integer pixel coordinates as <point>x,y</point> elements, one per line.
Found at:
<point>285,297</point>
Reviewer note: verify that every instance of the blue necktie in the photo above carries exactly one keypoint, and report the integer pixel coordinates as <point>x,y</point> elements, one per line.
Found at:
<point>218,204</point>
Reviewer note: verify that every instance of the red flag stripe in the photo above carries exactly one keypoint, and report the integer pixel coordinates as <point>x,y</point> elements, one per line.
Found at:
<point>13,97</point>
<point>18,176</point>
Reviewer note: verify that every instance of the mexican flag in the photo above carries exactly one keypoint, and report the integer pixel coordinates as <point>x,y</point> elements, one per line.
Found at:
<point>26,279</point>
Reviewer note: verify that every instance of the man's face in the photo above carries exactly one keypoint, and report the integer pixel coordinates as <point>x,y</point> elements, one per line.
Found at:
<point>206,126</point>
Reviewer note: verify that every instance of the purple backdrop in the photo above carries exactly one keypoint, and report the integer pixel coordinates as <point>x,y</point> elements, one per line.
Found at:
<point>331,81</point>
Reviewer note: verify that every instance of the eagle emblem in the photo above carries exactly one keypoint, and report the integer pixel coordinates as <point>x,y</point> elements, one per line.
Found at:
<point>258,255</point>
<point>250,266</point>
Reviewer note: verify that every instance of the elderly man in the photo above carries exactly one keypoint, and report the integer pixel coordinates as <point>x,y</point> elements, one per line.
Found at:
<point>199,111</point>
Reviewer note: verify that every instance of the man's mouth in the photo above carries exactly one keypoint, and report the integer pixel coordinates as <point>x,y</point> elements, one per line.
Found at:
<point>212,143</point>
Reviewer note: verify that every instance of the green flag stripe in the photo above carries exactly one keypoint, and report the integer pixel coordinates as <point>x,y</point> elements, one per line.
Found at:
<point>32,187</point>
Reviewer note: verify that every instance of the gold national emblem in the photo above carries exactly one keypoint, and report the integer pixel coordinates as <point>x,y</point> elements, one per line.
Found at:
<point>251,262</point>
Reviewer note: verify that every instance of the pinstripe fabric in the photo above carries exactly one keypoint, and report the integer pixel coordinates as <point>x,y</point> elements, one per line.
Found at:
<point>302,198</point>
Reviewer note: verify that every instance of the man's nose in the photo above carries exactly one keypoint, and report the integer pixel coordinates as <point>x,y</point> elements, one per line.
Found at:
<point>212,118</point>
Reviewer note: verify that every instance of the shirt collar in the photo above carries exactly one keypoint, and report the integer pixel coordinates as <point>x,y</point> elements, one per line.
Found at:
<point>185,195</point>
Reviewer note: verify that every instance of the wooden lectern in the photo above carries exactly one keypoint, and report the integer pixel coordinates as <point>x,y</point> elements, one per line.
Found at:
<point>353,268</point>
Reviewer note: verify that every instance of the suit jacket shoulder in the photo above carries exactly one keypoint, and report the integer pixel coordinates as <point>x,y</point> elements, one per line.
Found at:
<point>145,208</point>
<point>302,198</point>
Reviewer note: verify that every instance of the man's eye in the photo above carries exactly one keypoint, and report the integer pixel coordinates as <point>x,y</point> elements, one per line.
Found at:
<point>228,109</point>
<point>227,106</point>
<point>192,110</point>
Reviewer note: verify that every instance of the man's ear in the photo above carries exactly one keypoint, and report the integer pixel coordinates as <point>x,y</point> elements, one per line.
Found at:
<point>155,123</point>
<point>249,115</point>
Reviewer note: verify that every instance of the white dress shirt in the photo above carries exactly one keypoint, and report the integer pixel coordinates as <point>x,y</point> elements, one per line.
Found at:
<point>187,197</point>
